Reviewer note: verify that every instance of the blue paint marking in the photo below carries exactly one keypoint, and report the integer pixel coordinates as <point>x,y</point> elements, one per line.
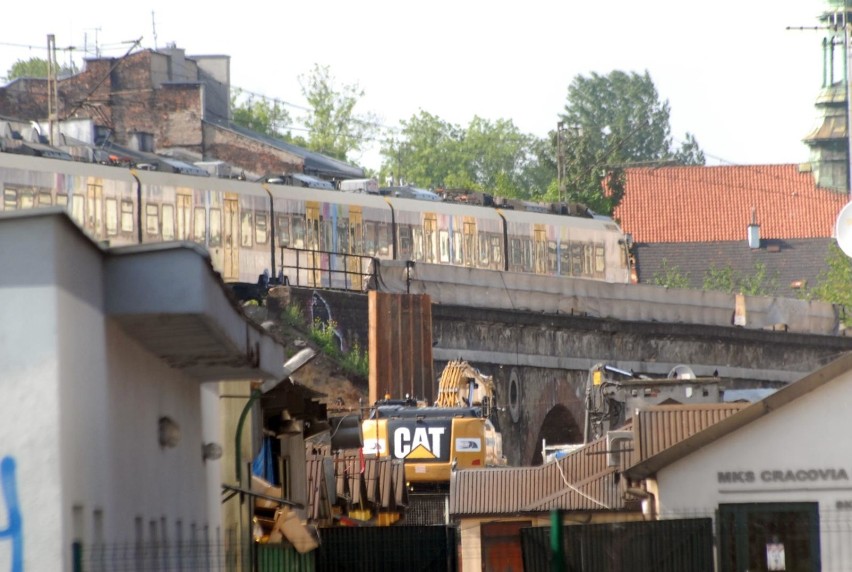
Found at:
<point>14,530</point>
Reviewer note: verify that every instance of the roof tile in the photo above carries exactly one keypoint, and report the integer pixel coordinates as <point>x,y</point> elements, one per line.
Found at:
<point>703,204</point>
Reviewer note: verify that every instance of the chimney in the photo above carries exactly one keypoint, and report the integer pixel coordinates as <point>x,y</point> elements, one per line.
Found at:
<point>753,231</point>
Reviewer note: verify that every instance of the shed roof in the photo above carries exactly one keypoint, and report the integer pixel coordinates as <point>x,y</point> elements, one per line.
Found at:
<point>583,480</point>
<point>703,204</point>
<point>660,457</point>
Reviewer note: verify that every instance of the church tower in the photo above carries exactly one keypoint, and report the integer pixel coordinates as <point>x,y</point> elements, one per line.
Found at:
<point>829,141</point>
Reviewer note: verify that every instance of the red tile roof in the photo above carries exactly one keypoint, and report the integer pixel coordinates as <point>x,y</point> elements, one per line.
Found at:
<point>704,204</point>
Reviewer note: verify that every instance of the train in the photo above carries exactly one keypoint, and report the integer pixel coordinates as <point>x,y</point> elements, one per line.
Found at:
<point>257,229</point>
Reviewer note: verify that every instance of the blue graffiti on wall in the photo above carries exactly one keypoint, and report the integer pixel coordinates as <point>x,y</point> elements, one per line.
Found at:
<point>14,529</point>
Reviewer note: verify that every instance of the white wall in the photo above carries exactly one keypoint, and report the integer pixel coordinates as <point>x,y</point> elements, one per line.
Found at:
<point>80,401</point>
<point>810,433</point>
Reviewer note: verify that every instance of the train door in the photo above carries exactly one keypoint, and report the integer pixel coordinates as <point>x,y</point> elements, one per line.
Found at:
<point>469,248</point>
<point>430,237</point>
<point>231,237</point>
<point>184,216</point>
<point>356,244</point>
<point>312,242</point>
<point>95,209</point>
<point>539,249</point>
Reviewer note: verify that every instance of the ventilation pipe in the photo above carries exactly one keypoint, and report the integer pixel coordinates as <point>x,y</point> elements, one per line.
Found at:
<point>753,231</point>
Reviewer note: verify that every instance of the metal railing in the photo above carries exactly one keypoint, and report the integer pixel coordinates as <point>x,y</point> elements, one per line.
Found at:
<point>325,269</point>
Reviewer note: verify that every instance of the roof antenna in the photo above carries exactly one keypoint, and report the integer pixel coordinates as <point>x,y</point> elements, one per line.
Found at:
<point>154,29</point>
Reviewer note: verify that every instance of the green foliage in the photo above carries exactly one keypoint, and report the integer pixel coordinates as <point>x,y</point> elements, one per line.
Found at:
<point>292,316</point>
<point>726,279</point>
<point>357,361</point>
<point>36,67</point>
<point>834,284</point>
<point>334,128</point>
<point>265,116</point>
<point>489,156</point>
<point>615,121</point>
<point>323,334</point>
<point>670,277</point>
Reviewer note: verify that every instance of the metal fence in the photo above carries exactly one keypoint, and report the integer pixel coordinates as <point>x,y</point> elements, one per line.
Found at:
<point>187,557</point>
<point>323,269</point>
<point>661,546</point>
<point>341,549</point>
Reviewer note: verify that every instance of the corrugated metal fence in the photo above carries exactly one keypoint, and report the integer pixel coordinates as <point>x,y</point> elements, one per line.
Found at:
<point>661,546</point>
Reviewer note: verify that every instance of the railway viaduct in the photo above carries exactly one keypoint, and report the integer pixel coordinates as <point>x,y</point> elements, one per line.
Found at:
<point>538,337</point>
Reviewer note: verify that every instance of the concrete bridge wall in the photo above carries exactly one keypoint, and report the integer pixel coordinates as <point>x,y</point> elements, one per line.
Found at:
<point>540,360</point>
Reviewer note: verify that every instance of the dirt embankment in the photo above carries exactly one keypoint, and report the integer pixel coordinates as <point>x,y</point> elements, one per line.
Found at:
<point>323,374</point>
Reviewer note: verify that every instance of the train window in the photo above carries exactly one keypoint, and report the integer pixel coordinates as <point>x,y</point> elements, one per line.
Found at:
<point>184,214</point>
<point>588,259</point>
<point>444,245</point>
<point>215,228</point>
<point>111,206</point>
<point>200,226</point>
<point>44,199</point>
<point>370,238</point>
<point>417,240</point>
<point>565,258</point>
<point>168,222</point>
<point>152,220</point>
<point>404,242</point>
<point>430,224</point>
<point>342,235</point>
<point>260,233</point>
<point>283,230</point>
<point>600,260</point>
<point>245,228</point>
<point>576,259</point>
<point>528,255</point>
<point>552,259</point>
<point>126,216</point>
<point>497,251</point>
<point>78,208</point>
<point>383,238</point>
<point>10,199</point>
<point>327,230</point>
<point>516,253</point>
<point>62,199</point>
<point>298,233</point>
<point>457,248</point>
<point>483,250</point>
<point>27,200</point>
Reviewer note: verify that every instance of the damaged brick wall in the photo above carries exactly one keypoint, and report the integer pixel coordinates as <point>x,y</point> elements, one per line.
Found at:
<point>249,154</point>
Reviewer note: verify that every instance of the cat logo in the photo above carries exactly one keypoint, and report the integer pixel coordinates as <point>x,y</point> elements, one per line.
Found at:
<point>421,443</point>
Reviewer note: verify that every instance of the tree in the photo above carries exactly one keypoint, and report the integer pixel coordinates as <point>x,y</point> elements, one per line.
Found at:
<point>333,126</point>
<point>726,279</point>
<point>611,122</point>
<point>36,67</point>
<point>489,156</point>
<point>834,284</point>
<point>266,116</point>
<point>670,276</point>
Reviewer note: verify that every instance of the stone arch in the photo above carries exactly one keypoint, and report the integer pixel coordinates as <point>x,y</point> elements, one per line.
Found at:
<point>559,426</point>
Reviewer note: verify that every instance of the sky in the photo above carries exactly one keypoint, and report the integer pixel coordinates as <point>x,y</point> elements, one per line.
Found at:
<point>733,73</point>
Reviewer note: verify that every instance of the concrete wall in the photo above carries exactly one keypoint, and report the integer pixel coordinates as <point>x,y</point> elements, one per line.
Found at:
<point>80,402</point>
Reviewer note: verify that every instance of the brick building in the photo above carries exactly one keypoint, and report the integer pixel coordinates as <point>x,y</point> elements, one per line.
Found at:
<point>165,102</point>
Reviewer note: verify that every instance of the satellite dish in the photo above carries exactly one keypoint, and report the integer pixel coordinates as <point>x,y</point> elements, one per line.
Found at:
<point>681,372</point>
<point>843,230</point>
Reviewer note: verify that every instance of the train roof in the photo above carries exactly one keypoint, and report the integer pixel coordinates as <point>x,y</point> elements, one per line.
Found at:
<point>77,168</point>
<point>415,205</point>
<point>559,220</point>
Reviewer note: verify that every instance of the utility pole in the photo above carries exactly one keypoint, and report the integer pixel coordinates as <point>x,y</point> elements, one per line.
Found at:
<point>52,91</point>
<point>560,159</point>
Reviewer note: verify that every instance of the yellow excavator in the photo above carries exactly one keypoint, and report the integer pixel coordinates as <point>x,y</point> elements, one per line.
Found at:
<point>432,441</point>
